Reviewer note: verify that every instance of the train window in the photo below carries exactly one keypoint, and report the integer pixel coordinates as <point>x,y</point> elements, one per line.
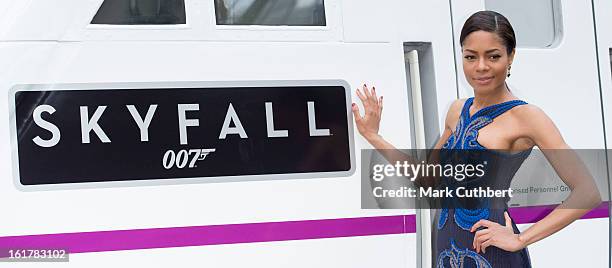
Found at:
<point>140,12</point>
<point>536,26</point>
<point>270,12</point>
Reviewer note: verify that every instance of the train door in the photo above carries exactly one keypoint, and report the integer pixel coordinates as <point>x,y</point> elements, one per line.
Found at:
<point>426,35</point>
<point>603,26</point>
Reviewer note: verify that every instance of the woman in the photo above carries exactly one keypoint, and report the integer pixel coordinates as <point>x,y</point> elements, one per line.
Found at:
<point>493,119</point>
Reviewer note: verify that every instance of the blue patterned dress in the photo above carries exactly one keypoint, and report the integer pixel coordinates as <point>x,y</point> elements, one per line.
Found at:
<point>453,240</point>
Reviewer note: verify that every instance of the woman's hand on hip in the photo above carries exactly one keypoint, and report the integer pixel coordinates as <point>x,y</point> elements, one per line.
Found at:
<point>369,123</point>
<point>497,235</point>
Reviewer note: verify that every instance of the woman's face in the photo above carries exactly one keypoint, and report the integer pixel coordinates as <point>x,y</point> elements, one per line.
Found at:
<point>485,61</point>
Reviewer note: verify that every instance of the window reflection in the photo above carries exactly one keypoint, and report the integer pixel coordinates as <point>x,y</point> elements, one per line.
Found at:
<point>134,12</point>
<point>270,12</point>
<point>536,26</point>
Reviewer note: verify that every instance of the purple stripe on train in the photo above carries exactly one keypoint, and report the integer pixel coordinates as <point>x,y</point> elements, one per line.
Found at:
<point>246,233</point>
<point>213,234</point>
<point>536,213</point>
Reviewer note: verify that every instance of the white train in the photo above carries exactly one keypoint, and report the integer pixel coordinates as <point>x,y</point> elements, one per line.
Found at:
<point>168,86</point>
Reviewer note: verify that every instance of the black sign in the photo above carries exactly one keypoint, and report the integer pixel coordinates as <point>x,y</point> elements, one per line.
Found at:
<point>101,135</point>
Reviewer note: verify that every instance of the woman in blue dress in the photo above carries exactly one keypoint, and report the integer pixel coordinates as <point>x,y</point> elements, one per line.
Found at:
<point>493,119</point>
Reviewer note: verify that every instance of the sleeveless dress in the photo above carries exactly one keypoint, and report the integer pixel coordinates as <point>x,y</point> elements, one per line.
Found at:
<point>452,239</point>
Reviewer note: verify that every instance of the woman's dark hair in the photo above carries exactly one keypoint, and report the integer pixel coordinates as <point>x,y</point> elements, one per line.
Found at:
<point>493,22</point>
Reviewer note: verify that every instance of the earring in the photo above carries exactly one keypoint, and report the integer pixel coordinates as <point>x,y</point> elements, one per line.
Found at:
<point>509,67</point>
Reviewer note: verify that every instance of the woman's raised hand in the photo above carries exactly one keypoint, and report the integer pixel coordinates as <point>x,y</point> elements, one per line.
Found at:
<point>369,123</point>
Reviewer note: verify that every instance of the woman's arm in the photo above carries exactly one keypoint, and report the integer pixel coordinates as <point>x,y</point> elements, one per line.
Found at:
<point>369,124</point>
<point>583,197</point>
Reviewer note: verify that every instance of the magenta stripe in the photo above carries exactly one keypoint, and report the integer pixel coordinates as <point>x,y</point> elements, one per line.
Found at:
<point>213,235</point>
<point>246,233</point>
<point>536,213</point>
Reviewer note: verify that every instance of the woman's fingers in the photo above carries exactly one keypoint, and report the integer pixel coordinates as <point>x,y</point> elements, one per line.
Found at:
<point>366,91</point>
<point>372,98</point>
<point>485,223</point>
<point>485,245</point>
<point>370,94</point>
<point>495,234</point>
<point>367,123</point>
<point>361,96</point>
<point>479,242</point>
<point>356,114</point>
<point>508,220</point>
<point>371,102</point>
<point>480,237</point>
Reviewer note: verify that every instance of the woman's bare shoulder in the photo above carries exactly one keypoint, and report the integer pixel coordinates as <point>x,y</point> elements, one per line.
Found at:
<point>457,104</point>
<point>454,111</point>
<point>529,113</point>
<point>539,126</point>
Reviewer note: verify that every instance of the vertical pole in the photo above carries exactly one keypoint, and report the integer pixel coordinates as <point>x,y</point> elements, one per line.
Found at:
<point>423,215</point>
